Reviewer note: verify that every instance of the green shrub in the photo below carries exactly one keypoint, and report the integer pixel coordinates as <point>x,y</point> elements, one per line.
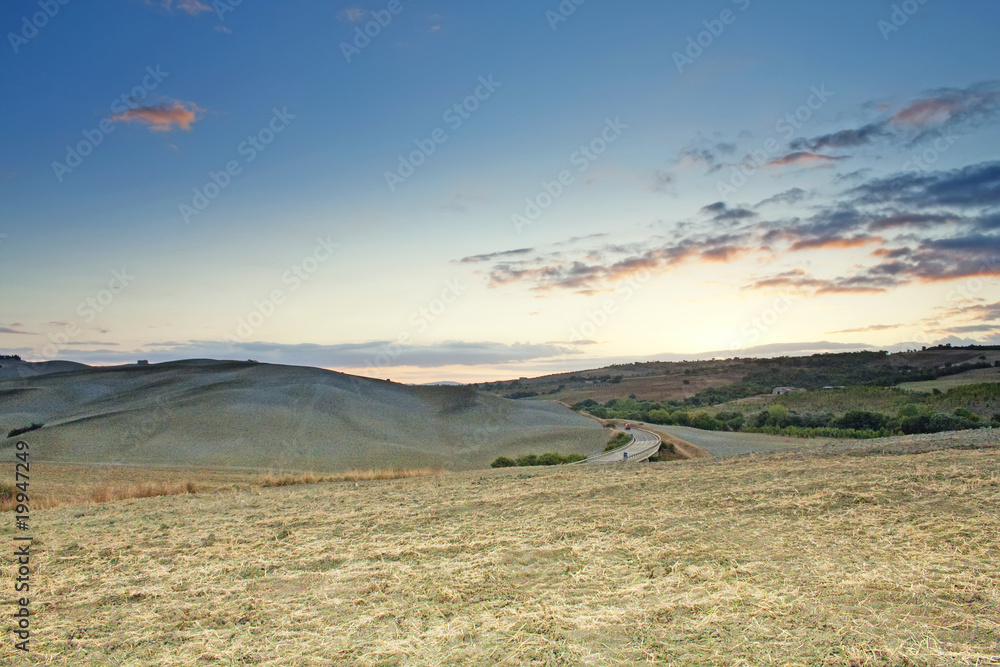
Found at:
<point>619,439</point>
<point>546,459</point>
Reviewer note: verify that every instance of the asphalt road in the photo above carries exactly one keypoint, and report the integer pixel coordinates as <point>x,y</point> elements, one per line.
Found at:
<point>640,448</point>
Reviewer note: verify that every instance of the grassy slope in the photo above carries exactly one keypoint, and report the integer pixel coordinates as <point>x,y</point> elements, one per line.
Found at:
<point>278,417</point>
<point>945,383</point>
<point>725,443</point>
<point>762,560</point>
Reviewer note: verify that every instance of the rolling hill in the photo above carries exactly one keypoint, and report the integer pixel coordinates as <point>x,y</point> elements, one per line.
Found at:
<point>245,414</point>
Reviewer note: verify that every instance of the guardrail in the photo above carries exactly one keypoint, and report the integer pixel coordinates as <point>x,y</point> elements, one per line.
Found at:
<point>642,455</point>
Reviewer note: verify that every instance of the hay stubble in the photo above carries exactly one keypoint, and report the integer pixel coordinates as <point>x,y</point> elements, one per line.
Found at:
<point>760,560</point>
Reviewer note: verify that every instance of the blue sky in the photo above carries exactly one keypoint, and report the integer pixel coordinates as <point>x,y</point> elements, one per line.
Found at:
<point>869,220</point>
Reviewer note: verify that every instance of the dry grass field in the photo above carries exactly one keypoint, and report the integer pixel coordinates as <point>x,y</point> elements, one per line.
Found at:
<point>786,559</point>
<point>57,484</point>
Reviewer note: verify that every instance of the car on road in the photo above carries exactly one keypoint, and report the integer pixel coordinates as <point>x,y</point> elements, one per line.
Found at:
<point>628,427</point>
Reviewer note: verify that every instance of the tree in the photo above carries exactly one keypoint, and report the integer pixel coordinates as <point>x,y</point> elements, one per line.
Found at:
<point>777,415</point>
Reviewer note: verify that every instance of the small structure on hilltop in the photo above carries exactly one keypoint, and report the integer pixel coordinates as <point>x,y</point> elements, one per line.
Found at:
<point>785,390</point>
<point>142,362</point>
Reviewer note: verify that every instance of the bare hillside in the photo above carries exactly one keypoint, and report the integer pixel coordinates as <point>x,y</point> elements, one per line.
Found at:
<point>213,413</point>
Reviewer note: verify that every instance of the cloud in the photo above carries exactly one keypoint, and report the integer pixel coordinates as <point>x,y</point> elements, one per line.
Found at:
<point>472,259</point>
<point>971,328</point>
<point>378,354</point>
<point>919,220</point>
<point>702,153</point>
<point>8,330</point>
<point>163,117</point>
<point>804,159</point>
<point>792,196</point>
<point>774,349</point>
<point>661,180</point>
<point>873,327</point>
<point>978,312</point>
<point>942,109</point>
<point>849,138</point>
<point>951,106</point>
<point>192,7</point>
<point>352,14</point>
<point>223,29</point>
<point>975,185</point>
<point>798,279</point>
<point>460,199</point>
<point>600,270</point>
<point>853,176</point>
<point>721,212</point>
<point>835,242</point>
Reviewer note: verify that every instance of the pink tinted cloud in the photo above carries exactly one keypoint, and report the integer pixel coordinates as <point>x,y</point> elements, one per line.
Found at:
<point>803,159</point>
<point>163,117</point>
<point>928,111</point>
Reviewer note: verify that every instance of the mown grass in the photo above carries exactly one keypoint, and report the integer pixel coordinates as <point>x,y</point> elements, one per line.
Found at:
<point>782,560</point>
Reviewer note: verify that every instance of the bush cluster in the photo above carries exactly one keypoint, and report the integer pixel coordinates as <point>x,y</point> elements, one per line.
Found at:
<point>900,413</point>
<point>547,459</point>
<point>619,439</point>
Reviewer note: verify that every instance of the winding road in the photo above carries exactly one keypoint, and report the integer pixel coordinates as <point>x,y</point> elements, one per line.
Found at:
<point>644,444</point>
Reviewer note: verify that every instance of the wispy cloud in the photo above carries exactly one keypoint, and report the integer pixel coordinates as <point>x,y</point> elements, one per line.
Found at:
<point>868,329</point>
<point>473,259</point>
<point>192,7</point>
<point>352,14</point>
<point>792,196</point>
<point>804,159</point>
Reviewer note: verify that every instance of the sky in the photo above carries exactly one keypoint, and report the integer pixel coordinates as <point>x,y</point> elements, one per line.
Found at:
<point>470,191</point>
